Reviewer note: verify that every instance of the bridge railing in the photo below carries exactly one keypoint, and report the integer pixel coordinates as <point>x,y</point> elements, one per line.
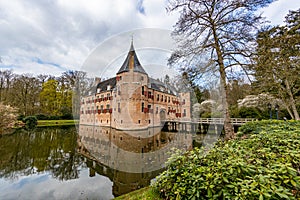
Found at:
<point>221,120</point>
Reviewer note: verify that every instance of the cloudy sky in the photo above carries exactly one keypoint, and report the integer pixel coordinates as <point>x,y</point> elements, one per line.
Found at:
<point>50,37</point>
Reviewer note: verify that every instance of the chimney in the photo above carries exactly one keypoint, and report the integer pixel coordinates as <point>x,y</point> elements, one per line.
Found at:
<point>97,80</point>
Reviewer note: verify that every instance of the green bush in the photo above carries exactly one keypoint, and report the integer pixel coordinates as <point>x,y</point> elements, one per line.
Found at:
<point>30,122</point>
<point>250,112</point>
<point>42,117</point>
<point>20,117</point>
<point>54,118</point>
<point>262,166</point>
<point>269,126</point>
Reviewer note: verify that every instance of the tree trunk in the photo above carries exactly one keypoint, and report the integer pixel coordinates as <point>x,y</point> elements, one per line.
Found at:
<point>292,100</point>
<point>290,112</point>
<point>229,132</point>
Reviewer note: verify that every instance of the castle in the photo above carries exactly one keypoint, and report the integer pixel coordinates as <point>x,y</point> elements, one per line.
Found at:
<point>132,100</point>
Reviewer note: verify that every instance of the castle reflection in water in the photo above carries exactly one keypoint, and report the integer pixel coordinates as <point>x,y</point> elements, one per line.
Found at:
<point>129,158</point>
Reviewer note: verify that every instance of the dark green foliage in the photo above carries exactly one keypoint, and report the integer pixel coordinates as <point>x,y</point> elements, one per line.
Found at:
<point>262,166</point>
<point>41,117</point>
<point>20,117</point>
<point>54,118</point>
<point>270,126</point>
<point>45,117</point>
<point>30,122</point>
<point>251,112</point>
<point>67,116</point>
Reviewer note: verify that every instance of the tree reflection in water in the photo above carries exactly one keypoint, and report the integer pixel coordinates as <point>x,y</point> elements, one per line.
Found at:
<point>43,149</point>
<point>130,161</point>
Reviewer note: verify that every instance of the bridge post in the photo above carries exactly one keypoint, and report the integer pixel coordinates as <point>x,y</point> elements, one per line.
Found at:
<point>236,128</point>
<point>199,127</point>
<point>205,128</point>
<point>216,128</point>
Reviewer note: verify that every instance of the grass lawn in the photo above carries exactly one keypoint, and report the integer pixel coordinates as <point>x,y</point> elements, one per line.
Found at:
<point>146,193</point>
<point>42,123</point>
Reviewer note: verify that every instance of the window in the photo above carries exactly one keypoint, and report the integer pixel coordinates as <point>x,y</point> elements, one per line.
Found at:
<point>139,121</point>
<point>142,106</point>
<point>156,110</point>
<point>119,108</point>
<point>119,91</point>
<point>157,97</point>
<point>143,90</point>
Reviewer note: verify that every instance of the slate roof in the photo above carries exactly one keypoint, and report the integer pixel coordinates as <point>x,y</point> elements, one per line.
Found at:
<point>160,86</point>
<point>137,67</point>
<point>154,84</point>
<point>103,85</point>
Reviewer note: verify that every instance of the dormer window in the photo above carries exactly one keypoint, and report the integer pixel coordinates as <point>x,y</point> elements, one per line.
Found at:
<point>98,90</point>
<point>108,87</point>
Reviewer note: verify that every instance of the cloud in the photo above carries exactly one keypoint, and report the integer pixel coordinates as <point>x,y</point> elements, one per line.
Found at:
<point>42,186</point>
<point>276,11</point>
<point>64,32</point>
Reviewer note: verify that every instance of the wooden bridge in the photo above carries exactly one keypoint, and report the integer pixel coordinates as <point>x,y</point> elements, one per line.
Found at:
<point>202,125</point>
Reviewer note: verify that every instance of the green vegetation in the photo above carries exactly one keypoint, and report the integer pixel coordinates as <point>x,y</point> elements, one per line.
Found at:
<point>30,122</point>
<point>141,194</point>
<point>44,95</point>
<point>56,122</point>
<point>262,163</point>
<point>49,149</point>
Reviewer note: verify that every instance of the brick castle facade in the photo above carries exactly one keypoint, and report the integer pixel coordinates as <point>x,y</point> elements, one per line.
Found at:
<point>132,100</point>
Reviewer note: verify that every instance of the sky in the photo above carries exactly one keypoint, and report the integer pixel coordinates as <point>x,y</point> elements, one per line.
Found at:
<point>50,37</point>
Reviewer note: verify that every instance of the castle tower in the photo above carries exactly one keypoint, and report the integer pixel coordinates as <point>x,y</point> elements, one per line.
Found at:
<point>131,86</point>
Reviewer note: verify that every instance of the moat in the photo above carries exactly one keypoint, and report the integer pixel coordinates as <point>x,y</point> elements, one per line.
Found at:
<point>84,163</point>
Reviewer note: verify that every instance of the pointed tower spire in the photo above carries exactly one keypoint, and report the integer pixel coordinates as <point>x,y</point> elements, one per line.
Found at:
<point>131,62</point>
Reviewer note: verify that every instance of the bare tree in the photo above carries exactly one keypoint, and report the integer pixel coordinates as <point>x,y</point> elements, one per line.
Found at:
<point>221,32</point>
<point>24,94</point>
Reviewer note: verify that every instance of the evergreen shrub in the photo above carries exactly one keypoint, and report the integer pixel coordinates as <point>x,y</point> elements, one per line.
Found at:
<point>263,165</point>
<point>30,122</point>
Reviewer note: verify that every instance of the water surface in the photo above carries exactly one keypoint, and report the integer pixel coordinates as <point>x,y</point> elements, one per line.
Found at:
<point>84,163</point>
